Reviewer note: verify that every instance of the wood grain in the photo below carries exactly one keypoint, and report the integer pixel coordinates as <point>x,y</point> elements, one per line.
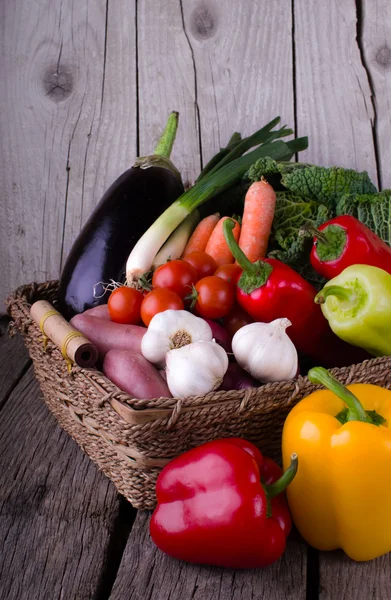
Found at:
<point>14,361</point>
<point>68,124</point>
<point>110,146</point>
<point>376,44</point>
<point>57,511</point>
<point>50,102</point>
<point>167,82</point>
<point>243,66</point>
<point>145,572</point>
<point>333,95</point>
<point>341,577</point>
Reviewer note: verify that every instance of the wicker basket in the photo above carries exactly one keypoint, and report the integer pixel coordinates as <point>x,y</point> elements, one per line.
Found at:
<point>131,440</point>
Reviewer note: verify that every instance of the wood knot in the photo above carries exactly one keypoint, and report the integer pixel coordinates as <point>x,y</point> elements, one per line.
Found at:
<point>58,82</point>
<point>203,23</point>
<point>383,57</point>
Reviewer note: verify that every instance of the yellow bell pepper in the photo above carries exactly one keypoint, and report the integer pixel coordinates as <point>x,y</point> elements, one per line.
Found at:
<point>341,495</point>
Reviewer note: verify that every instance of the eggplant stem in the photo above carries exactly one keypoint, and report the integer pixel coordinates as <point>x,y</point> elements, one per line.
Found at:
<point>167,139</point>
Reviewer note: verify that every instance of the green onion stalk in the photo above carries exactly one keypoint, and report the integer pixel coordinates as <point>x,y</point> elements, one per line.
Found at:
<point>216,181</point>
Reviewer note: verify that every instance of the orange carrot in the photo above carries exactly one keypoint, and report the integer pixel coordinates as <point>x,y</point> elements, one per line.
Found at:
<point>258,215</point>
<point>201,234</point>
<point>217,246</point>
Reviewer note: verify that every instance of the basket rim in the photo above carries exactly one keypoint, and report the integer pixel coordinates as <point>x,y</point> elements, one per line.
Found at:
<point>132,409</point>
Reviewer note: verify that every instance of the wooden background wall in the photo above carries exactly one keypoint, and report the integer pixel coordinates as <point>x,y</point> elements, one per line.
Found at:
<point>88,84</point>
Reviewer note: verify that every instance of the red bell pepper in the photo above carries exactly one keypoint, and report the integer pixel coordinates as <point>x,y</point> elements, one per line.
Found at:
<point>345,241</point>
<point>222,504</point>
<point>269,289</point>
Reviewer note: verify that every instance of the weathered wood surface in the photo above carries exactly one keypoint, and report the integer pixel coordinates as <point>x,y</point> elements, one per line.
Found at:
<point>333,95</point>
<point>375,30</point>
<point>85,88</point>
<point>14,361</point>
<point>343,578</point>
<point>147,573</point>
<point>62,523</point>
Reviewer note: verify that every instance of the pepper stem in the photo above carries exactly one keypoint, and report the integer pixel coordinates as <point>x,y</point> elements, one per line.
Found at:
<point>314,232</point>
<point>356,409</point>
<point>333,290</point>
<point>167,139</point>
<point>236,251</point>
<point>276,488</point>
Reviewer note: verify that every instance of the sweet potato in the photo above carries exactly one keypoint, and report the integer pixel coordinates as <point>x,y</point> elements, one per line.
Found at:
<point>133,374</point>
<point>106,335</point>
<point>101,311</point>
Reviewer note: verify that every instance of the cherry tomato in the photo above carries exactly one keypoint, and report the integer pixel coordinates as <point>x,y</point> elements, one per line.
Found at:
<point>236,319</point>
<point>178,276</point>
<point>230,273</point>
<point>124,305</point>
<point>158,301</point>
<point>214,297</point>
<point>204,264</point>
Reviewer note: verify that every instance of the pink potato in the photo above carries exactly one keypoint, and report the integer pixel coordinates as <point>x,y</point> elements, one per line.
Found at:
<point>133,374</point>
<point>106,335</point>
<point>101,312</point>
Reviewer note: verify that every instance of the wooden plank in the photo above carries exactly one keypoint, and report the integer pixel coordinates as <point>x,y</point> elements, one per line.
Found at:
<point>375,38</point>
<point>341,577</point>
<point>333,95</point>
<point>110,146</point>
<point>145,572</point>
<point>58,512</point>
<point>14,361</point>
<point>243,66</point>
<point>167,82</point>
<point>68,124</point>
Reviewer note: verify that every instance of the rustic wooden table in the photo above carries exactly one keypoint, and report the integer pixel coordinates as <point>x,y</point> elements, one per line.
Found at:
<point>86,87</point>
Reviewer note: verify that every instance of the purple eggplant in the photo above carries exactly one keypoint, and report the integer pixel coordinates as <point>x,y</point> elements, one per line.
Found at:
<point>131,204</point>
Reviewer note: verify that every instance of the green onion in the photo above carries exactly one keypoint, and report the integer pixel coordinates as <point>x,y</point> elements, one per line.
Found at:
<point>144,252</point>
<point>234,140</point>
<point>173,248</point>
<point>259,137</point>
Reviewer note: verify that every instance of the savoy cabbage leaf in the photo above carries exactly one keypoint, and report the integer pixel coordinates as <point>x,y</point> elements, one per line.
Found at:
<point>326,185</point>
<point>292,214</point>
<point>374,210</point>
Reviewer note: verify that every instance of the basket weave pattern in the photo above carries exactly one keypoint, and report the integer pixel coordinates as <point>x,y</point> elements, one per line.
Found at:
<point>131,440</point>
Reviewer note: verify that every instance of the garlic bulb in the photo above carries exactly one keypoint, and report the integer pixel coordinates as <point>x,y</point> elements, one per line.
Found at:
<point>172,329</point>
<point>195,369</point>
<point>266,351</point>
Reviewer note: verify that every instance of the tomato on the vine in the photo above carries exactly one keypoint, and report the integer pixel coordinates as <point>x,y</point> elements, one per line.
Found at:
<point>204,264</point>
<point>214,297</point>
<point>230,273</point>
<point>236,319</point>
<point>178,276</point>
<point>158,301</point>
<point>124,305</point>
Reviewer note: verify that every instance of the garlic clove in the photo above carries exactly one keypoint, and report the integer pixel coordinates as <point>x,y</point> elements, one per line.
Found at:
<point>172,329</point>
<point>266,351</point>
<point>195,369</point>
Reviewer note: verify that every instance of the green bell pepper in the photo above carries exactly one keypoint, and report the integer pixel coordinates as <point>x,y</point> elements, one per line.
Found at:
<point>357,305</point>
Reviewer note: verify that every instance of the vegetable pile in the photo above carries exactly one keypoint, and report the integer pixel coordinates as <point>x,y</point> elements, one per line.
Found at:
<point>279,273</point>
<point>262,270</point>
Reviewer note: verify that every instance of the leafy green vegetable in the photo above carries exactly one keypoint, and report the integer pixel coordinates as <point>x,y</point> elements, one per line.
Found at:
<point>292,213</point>
<point>374,210</point>
<point>327,185</point>
<point>265,167</point>
<point>261,168</point>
